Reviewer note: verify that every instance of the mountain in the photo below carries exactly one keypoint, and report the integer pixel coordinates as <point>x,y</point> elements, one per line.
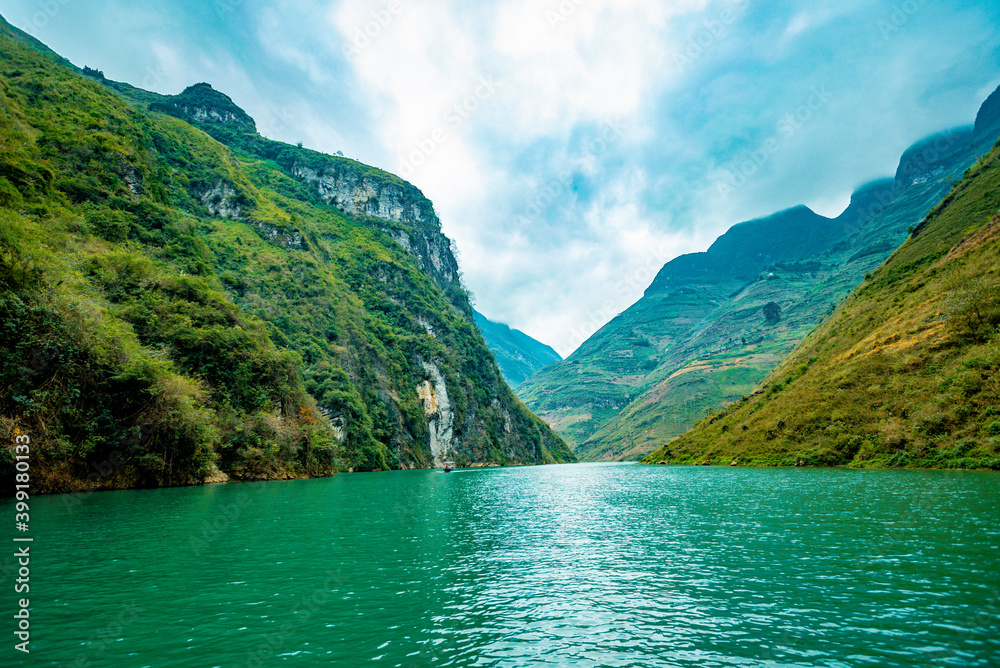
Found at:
<point>904,373</point>
<point>987,127</point>
<point>712,325</point>
<point>518,355</point>
<point>183,299</point>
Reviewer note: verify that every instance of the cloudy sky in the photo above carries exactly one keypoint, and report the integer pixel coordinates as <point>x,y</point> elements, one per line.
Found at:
<point>571,147</point>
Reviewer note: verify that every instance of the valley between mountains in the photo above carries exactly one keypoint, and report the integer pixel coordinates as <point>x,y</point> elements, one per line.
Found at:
<point>187,301</point>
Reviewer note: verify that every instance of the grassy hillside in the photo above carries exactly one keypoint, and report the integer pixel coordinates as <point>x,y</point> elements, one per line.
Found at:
<point>738,347</point>
<point>173,306</point>
<point>518,355</point>
<point>904,373</point>
<point>713,325</point>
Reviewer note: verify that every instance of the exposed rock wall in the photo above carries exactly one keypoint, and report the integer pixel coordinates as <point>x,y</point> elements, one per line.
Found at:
<point>204,114</point>
<point>221,201</point>
<point>359,195</point>
<point>411,220</point>
<point>433,393</point>
<point>433,252</point>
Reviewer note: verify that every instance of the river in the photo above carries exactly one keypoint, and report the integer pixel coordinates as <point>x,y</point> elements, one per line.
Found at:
<point>575,565</point>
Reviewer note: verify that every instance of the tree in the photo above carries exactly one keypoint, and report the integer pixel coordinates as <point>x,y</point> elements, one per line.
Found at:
<point>772,313</point>
<point>974,309</point>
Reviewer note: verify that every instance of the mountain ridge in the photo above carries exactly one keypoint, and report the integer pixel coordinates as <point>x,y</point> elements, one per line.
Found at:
<point>903,374</point>
<point>698,339</point>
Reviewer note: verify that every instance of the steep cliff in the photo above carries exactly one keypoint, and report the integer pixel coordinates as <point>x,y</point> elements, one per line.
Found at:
<point>379,199</point>
<point>186,299</point>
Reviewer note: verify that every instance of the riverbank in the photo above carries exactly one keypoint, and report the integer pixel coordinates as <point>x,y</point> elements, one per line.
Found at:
<point>940,461</point>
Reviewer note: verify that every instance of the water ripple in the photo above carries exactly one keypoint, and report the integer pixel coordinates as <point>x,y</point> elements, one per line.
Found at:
<point>589,565</point>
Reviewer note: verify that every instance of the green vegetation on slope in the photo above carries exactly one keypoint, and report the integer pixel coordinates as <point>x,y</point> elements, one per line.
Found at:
<point>739,344</point>
<point>172,305</point>
<point>713,325</point>
<point>905,372</point>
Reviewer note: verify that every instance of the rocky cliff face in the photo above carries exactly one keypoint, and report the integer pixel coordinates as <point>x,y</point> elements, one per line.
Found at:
<point>433,394</point>
<point>221,200</point>
<point>372,196</point>
<point>359,195</point>
<point>411,220</point>
<point>433,251</point>
<point>201,104</point>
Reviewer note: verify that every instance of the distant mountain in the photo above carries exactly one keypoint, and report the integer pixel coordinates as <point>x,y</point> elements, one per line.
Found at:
<point>904,373</point>
<point>518,355</point>
<point>712,325</point>
<point>185,300</point>
<point>987,127</point>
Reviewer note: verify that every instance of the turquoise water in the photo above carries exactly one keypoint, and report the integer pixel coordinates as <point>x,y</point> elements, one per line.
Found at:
<point>580,565</point>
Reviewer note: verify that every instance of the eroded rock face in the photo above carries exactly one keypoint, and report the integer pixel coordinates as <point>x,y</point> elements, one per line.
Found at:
<point>440,416</point>
<point>204,105</point>
<point>433,252</point>
<point>133,178</point>
<point>282,236</point>
<point>358,195</point>
<point>221,201</point>
<point>215,475</point>
<point>208,114</point>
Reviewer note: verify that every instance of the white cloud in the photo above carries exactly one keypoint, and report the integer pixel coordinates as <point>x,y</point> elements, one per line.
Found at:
<point>561,71</point>
<point>831,205</point>
<point>555,235</point>
<point>270,36</point>
<point>168,65</point>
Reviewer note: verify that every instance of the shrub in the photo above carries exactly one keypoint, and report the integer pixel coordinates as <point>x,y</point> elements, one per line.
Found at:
<point>110,224</point>
<point>968,382</point>
<point>931,422</point>
<point>10,198</point>
<point>974,310</point>
<point>965,446</point>
<point>772,313</point>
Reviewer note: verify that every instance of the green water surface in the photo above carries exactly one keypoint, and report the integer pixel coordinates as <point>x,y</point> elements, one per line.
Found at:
<point>576,565</point>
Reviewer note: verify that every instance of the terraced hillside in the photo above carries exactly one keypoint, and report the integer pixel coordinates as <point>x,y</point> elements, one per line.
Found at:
<point>904,373</point>
<point>713,325</point>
